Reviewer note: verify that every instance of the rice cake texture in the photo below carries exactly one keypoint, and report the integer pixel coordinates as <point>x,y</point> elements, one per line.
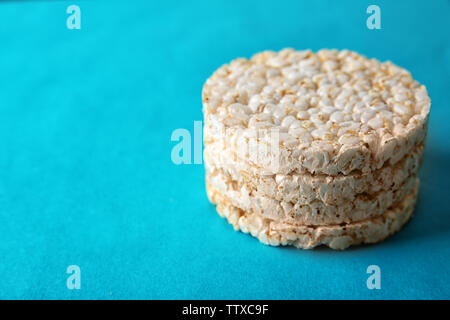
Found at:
<point>309,213</point>
<point>305,188</point>
<point>335,111</point>
<point>338,237</point>
<point>347,135</point>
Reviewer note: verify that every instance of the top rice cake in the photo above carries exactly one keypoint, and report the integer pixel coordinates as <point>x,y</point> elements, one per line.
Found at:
<point>335,112</point>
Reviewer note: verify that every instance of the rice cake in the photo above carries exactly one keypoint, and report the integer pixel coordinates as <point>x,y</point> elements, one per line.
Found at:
<point>307,187</point>
<point>306,148</point>
<point>335,111</point>
<point>337,237</point>
<point>314,213</point>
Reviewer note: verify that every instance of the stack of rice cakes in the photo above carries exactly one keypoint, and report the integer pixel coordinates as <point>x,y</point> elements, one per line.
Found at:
<point>306,148</point>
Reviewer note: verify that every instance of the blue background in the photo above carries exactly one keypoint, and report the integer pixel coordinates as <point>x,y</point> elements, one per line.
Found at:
<point>86,176</point>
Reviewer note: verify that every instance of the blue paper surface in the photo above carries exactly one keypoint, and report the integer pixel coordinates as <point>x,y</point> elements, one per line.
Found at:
<point>86,176</point>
